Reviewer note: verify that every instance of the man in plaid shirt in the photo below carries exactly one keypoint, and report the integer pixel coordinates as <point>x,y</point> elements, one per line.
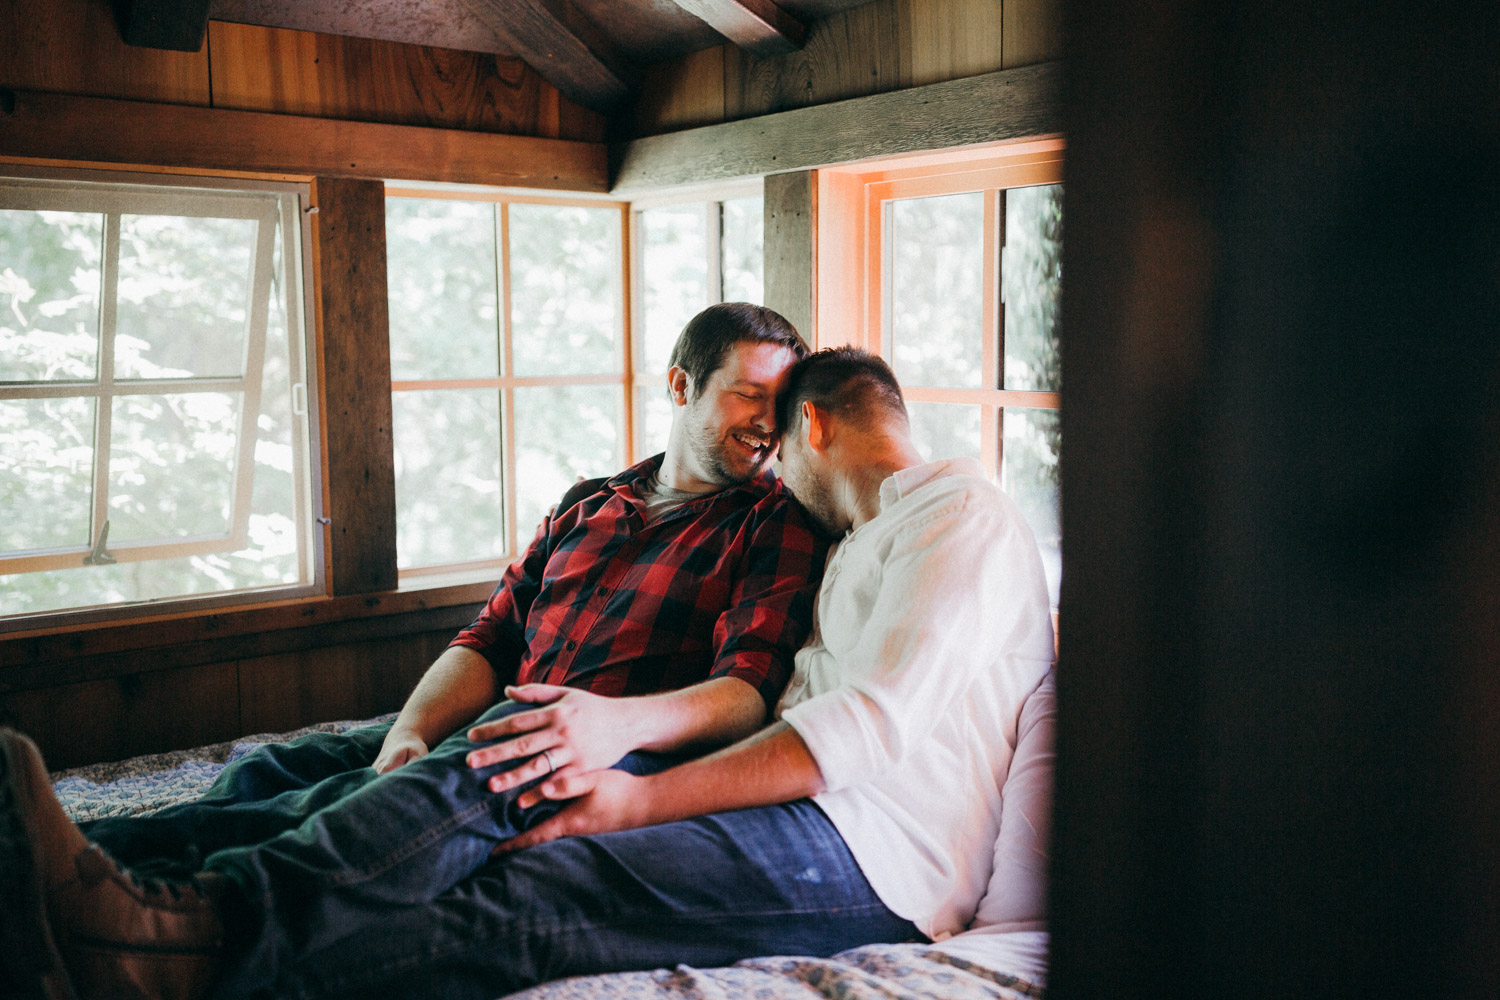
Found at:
<point>655,614</point>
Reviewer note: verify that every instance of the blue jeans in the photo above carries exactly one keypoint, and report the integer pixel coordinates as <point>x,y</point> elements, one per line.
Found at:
<point>707,892</point>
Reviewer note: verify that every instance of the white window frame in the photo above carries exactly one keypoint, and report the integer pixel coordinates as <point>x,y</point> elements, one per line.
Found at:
<point>27,190</point>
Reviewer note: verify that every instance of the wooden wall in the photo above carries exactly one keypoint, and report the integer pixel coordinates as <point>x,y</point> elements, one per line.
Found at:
<point>877,47</point>
<point>74,47</point>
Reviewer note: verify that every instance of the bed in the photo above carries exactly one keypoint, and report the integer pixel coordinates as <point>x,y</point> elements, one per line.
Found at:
<point>1000,957</point>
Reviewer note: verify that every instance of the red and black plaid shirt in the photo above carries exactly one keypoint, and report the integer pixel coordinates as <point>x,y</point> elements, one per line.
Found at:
<point>721,586</point>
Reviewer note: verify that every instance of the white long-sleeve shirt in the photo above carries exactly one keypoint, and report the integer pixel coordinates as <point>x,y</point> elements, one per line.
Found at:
<point>932,627</point>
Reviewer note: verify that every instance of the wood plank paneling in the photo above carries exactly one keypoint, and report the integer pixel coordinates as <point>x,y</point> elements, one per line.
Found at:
<point>333,76</point>
<point>994,107</point>
<point>355,379</point>
<point>1033,32</point>
<point>120,717</point>
<point>950,39</point>
<point>75,47</point>
<point>849,54</point>
<point>791,247</point>
<point>354,681</point>
<point>57,126</point>
<point>684,93</point>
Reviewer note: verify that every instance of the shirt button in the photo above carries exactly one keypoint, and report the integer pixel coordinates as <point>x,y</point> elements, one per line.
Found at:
<point>603,591</point>
<point>570,644</point>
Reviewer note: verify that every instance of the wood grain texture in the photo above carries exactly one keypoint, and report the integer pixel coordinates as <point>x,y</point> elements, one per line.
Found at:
<point>55,126</point>
<point>791,247</point>
<point>684,93</point>
<point>849,54</point>
<point>120,717</point>
<point>1033,32</point>
<point>352,681</point>
<point>560,42</point>
<point>167,24</point>
<point>74,47</point>
<point>332,76</point>
<point>355,380</point>
<point>994,107</point>
<point>950,39</point>
<point>759,27</point>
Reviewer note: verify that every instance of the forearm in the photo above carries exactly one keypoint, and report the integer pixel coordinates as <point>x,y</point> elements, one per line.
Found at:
<point>713,713</point>
<point>458,686</point>
<point>770,767</point>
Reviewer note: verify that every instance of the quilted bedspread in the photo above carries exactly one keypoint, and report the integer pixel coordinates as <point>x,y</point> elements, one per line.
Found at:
<point>874,972</point>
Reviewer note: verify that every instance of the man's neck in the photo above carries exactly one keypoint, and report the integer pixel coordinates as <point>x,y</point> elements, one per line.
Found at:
<point>881,458</point>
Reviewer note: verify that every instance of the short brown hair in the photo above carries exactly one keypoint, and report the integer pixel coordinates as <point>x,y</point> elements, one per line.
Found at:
<point>700,347</point>
<point>850,383</point>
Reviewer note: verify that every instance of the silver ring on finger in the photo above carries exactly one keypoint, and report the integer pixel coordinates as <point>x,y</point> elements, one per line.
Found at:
<point>550,766</point>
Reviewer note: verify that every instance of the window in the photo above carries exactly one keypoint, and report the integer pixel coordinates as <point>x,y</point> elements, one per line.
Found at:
<point>689,255</point>
<point>958,265</point>
<point>508,361</point>
<point>154,414</point>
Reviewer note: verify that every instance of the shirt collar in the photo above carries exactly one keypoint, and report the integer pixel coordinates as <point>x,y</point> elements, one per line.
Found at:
<point>902,484</point>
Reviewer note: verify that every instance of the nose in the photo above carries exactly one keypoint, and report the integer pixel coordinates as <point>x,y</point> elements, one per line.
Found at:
<point>765,417</point>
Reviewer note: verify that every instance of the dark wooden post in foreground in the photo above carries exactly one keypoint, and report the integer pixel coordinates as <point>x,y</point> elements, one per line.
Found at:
<point>1279,685</point>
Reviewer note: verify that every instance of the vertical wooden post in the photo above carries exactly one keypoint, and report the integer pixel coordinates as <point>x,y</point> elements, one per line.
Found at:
<point>354,328</point>
<point>1277,742</point>
<point>791,247</point>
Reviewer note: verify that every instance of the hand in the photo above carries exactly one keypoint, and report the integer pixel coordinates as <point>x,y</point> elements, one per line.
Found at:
<point>603,802</point>
<point>579,731</point>
<point>400,747</point>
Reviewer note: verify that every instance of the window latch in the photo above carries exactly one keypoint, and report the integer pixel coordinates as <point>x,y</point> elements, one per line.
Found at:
<point>99,557</point>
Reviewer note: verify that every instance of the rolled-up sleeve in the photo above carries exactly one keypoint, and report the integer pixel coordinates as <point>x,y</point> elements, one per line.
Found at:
<point>771,607</point>
<point>499,632</point>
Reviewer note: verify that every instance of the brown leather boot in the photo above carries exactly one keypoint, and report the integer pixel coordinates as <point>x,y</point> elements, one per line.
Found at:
<point>88,927</point>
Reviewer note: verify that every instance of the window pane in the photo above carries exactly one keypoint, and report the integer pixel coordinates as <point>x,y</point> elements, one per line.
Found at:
<point>565,289</point>
<point>49,295</point>
<point>184,293</point>
<point>1029,475</point>
<point>441,278</point>
<point>653,420</point>
<point>562,433</point>
<point>945,430</point>
<point>46,470</point>
<point>171,465</point>
<point>936,290</point>
<point>1031,282</point>
<point>448,506</point>
<point>674,276</point>
<point>743,253</point>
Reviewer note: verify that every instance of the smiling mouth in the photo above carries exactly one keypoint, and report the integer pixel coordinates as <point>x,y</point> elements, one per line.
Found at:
<point>752,443</point>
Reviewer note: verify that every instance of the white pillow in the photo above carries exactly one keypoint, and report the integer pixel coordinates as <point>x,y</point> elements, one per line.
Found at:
<point>1009,930</point>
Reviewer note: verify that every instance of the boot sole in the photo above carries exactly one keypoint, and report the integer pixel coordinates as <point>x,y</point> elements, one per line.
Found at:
<point>30,964</point>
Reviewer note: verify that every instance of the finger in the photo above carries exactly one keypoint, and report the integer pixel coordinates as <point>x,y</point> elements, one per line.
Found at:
<point>535,694</point>
<point>521,722</point>
<point>539,834</point>
<point>522,746</point>
<point>536,767</point>
<point>567,785</point>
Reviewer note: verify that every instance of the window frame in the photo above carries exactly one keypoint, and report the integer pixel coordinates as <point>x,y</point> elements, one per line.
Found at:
<point>507,381</point>
<point>196,199</point>
<point>712,197</point>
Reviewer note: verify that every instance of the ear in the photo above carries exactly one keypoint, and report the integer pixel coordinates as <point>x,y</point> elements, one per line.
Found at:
<point>678,384</point>
<point>819,424</point>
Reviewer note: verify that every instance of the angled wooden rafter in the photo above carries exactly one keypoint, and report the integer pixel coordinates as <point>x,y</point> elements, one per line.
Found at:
<point>759,27</point>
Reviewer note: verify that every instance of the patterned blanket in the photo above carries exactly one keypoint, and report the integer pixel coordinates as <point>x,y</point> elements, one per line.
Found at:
<point>875,972</point>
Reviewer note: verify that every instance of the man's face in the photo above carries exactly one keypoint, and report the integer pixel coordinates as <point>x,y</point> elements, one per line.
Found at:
<point>807,474</point>
<point>729,424</point>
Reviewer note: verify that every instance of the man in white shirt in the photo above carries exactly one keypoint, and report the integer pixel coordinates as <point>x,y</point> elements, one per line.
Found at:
<point>868,811</point>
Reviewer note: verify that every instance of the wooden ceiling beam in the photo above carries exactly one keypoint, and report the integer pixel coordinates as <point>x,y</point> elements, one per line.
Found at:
<point>757,26</point>
<point>559,41</point>
<point>179,25</point>
<point>47,126</point>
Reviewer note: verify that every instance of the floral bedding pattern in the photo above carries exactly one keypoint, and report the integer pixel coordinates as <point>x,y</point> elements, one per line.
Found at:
<point>874,972</point>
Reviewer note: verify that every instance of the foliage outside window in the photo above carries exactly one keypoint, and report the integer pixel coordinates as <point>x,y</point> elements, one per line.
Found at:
<point>508,361</point>
<point>689,255</point>
<point>969,277</point>
<point>154,427</point>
